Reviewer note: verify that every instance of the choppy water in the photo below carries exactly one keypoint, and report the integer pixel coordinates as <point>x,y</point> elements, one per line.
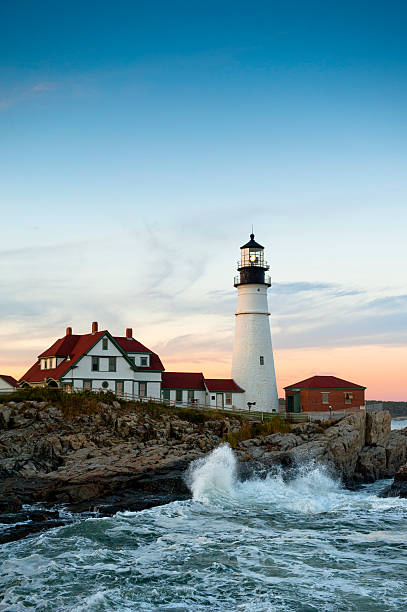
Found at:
<point>399,424</point>
<point>260,545</point>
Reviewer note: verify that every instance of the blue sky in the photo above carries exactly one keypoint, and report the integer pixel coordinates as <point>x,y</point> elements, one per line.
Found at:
<point>140,141</point>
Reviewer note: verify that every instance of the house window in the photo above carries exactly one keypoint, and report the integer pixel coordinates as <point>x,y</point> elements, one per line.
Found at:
<point>190,396</point>
<point>95,364</point>
<point>87,385</point>
<point>213,397</point>
<point>104,344</point>
<point>325,397</point>
<point>112,364</point>
<point>105,384</point>
<point>143,361</point>
<point>348,398</point>
<point>119,387</point>
<point>166,394</point>
<point>142,389</point>
<point>261,360</point>
<point>133,360</point>
<point>43,364</point>
<point>178,395</point>
<point>228,398</point>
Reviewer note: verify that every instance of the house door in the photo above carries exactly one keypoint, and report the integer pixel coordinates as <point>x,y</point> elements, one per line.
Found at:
<point>290,403</point>
<point>219,400</point>
<point>297,402</point>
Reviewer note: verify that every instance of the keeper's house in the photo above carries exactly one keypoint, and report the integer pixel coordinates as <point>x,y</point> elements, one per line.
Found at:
<point>323,394</point>
<point>100,361</point>
<point>8,384</point>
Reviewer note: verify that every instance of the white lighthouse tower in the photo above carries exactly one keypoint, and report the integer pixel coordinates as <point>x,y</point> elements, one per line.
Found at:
<point>253,362</point>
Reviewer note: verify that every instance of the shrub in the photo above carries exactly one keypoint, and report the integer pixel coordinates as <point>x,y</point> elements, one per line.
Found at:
<point>256,430</point>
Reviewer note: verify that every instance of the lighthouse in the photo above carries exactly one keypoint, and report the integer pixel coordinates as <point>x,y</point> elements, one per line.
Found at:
<point>253,362</point>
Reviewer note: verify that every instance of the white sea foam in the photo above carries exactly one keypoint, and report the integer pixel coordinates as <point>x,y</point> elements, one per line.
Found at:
<point>213,475</point>
<point>214,478</point>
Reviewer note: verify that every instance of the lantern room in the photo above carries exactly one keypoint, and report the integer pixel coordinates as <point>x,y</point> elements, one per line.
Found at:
<point>252,265</point>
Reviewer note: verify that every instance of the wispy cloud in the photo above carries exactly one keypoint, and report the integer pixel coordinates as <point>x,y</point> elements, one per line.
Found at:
<point>20,95</point>
<point>147,282</point>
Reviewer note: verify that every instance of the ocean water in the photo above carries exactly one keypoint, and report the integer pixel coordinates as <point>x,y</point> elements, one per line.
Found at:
<point>259,545</point>
<point>399,424</point>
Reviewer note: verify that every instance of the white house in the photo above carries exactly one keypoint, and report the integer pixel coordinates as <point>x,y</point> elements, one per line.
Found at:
<point>98,361</point>
<point>8,384</point>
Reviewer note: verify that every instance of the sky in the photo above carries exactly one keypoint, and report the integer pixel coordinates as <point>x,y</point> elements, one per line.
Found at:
<point>139,142</point>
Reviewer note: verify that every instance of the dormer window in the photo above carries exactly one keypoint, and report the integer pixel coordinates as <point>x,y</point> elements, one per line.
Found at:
<point>143,362</point>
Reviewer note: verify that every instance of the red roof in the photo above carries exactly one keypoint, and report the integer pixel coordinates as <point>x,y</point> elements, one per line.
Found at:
<point>324,382</point>
<point>183,380</point>
<point>129,345</point>
<point>9,379</point>
<point>222,384</point>
<point>74,346</point>
<point>64,346</point>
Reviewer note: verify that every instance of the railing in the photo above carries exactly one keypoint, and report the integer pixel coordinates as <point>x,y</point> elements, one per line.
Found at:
<point>195,404</point>
<point>253,415</point>
<point>267,279</point>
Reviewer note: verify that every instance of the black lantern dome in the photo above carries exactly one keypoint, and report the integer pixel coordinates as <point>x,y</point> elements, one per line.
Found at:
<point>252,266</point>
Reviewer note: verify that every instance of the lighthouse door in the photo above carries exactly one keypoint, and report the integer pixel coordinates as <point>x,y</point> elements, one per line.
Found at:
<point>219,400</point>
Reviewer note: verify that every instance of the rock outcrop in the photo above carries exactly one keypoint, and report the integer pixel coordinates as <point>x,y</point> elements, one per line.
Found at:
<point>360,448</point>
<point>89,459</point>
<point>399,486</point>
<point>120,457</point>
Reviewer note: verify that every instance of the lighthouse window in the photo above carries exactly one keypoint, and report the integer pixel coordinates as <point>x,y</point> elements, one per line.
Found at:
<point>261,360</point>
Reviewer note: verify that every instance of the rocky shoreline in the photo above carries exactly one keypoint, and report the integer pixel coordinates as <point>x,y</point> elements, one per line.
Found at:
<point>127,458</point>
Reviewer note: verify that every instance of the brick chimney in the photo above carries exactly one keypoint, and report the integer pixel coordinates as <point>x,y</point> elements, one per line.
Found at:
<point>68,331</point>
<point>94,327</point>
<point>129,333</point>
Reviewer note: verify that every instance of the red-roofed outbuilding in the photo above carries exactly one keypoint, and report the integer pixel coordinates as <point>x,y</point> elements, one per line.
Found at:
<point>324,394</point>
<point>193,388</point>
<point>222,384</point>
